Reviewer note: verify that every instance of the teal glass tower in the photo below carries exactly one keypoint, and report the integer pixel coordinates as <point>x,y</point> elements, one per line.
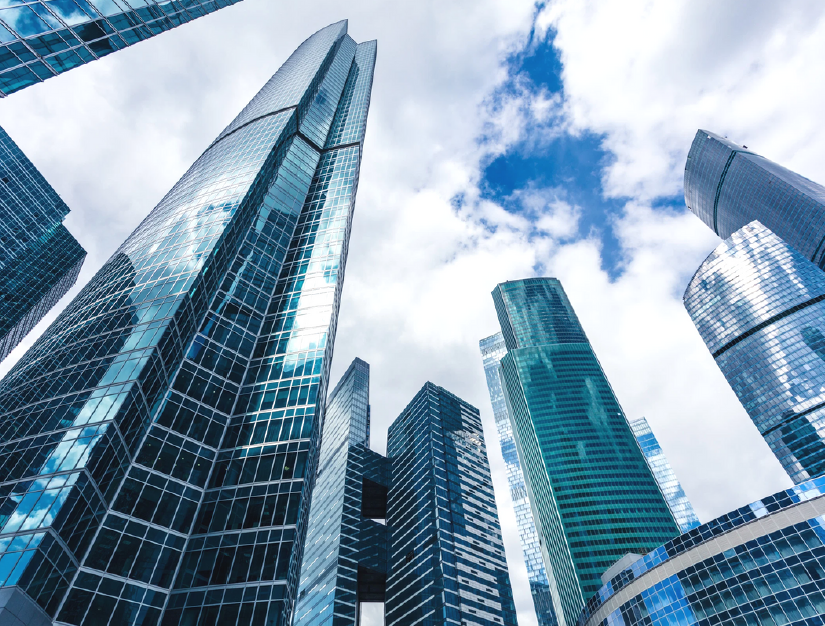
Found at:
<point>39,258</point>
<point>158,443</point>
<point>593,495</point>
<point>43,38</point>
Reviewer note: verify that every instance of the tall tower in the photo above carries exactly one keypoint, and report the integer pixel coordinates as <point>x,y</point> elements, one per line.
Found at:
<point>671,488</point>
<point>728,186</point>
<point>759,305</point>
<point>492,351</point>
<point>160,438</point>
<point>45,38</point>
<point>594,498</point>
<point>447,562</point>
<point>39,259</point>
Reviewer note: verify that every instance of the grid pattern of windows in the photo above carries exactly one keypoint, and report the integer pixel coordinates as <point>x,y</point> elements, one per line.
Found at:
<point>447,555</point>
<point>42,38</point>
<point>492,351</point>
<point>727,187</point>
<point>678,502</point>
<point>39,259</point>
<point>181,385</point>
<point>594,496</point>
<point>758,305</point>
<point>761,565</point>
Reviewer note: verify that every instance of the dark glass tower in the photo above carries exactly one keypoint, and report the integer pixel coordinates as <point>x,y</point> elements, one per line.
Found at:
<point>727,186</point>
<point>158,442</point>
<point>759,306</point>
<point>43,38</point>
<point>447,563</point>
<point>594,498</point>
<point>39,259</point>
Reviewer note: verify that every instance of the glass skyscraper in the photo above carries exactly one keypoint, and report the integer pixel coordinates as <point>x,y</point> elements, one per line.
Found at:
<point>760,565</point>
<point>447,562</point>
<point>671,488</point>
<point>727,186</point>
<point>594,497</point>
<point>759,305</point>
<point>158,442</point>
<point>39,259</point>
<point>492,350</point>
<point>43,38</point>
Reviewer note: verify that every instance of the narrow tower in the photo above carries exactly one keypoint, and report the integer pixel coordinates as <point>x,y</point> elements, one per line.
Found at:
<point>492,351</point>
<point>159,440</point>
<point>594,498</point>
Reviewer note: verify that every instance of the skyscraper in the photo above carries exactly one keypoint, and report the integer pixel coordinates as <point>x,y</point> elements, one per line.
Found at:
<point>671,488</point>
<point>39,259</point>
<point>759,305</point>
<point>594,498</point>
<point>447,562</point>
<point>159,439</point>
<point>492,350</point>
<point>43,38</point>
<point>727,186</point>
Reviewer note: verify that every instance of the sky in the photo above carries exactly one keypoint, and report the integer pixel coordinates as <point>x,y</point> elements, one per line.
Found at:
<point>506,139</point>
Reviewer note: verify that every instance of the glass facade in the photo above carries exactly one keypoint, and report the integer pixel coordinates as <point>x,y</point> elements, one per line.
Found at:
<point>43,38</point>
<point>158,442</point>
<point>446,554</point>
<point>761,565</point>
<point>593,495</point>
<point>345,561</point>
<point>759,306</point>
<point>492,351</point>
<point>727,186</point>
<point>671,488</point>
<point>39,259</point>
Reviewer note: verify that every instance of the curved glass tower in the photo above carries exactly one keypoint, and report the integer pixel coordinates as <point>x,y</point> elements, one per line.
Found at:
<point>594,497</point>
<point>492,351</point>
<point>158,442</point>
<point>759,306</point>
<point>727,186</point>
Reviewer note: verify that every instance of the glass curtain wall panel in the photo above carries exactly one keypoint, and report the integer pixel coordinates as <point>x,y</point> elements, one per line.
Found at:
<point>760,565</point>
<point>345,561</point>
<point>43,38</point>
<point>158,442</point>
<point>447,562</point>
<point>727,186</point>
<point>593,495</point>
<point>678,502</point>
<point>39,259</point>
<point>492,350</point>
<point>759,306</point>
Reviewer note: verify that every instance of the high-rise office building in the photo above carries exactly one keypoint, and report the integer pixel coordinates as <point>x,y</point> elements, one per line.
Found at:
<point>39,259</point>
<point>447,562</point>
<point>159,440</point>
<point>760,565</point>
<point>593,495</point>
<point>728,186</point>
<point>671,488</point>
<point>345,560</point>
<point>759,305</point>
<point>417,530</point>
<point>43,38</point>
<point>492,350</point>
